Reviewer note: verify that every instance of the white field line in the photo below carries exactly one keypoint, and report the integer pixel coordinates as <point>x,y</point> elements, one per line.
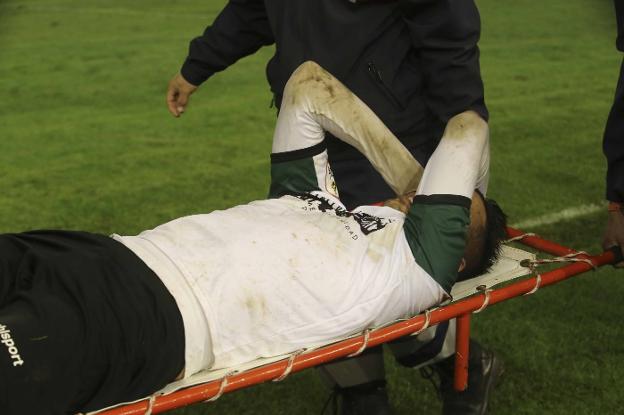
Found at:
<point>561,216</point>
<point>36,8</point>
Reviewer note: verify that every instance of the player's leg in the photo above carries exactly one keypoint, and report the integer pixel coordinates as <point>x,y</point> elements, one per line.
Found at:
<point>35,331</point>
<point>358,383</point>
<point>41,355</point>
<point>94,326</point>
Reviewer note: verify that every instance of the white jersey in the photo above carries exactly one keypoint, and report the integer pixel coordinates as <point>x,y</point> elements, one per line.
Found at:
<point>278,275</point>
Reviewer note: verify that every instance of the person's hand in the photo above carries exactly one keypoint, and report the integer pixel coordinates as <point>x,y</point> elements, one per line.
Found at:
<point>614,234</point>
<point>178,93</point>
<point>401,203</point>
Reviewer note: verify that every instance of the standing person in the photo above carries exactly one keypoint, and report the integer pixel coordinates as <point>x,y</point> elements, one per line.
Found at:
<point>415,63</point>
<point>613,146</point>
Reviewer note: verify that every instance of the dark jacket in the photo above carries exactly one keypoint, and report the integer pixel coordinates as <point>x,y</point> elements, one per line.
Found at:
<point>410,61</point>
<point>414,62</point>
<point>613,143</point>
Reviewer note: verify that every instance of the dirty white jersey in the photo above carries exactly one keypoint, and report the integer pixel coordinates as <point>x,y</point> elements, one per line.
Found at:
<point>278,275</point>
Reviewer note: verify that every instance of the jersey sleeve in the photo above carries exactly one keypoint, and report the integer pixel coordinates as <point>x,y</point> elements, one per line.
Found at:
<point>300,171</point>
<point>435,228</point>
<point>239,30</point>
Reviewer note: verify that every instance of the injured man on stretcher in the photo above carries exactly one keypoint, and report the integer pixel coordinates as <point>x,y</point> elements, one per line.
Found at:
<point>87,320</point>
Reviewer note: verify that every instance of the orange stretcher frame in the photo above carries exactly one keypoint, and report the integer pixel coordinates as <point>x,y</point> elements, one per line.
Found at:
<point>462,310</point>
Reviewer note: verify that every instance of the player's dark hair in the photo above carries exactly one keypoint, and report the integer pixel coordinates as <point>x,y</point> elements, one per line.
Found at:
<point>494,234</point>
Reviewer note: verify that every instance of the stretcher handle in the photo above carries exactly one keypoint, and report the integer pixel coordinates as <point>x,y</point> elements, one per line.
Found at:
<point>616,250</point>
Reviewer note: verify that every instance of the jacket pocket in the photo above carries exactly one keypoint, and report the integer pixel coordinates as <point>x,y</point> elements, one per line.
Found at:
<point>376,74</point>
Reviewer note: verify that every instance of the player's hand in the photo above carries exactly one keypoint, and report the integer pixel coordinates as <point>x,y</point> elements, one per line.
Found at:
<point>401,203</point>
<point>614,234</point>
<point>178,93</point>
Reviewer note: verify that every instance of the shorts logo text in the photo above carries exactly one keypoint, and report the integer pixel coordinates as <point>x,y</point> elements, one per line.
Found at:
<point>7,340</point>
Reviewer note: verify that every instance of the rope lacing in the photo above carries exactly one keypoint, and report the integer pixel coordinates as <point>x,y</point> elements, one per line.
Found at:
<point>222,386</point>
<point>150,405</point>
<point>519,237</point>
<point>289,366</point>
<point>533,264</point>
<point>426,325</point>
<point>572,257</point>
<point>359,351</point>
<point>486,300</point>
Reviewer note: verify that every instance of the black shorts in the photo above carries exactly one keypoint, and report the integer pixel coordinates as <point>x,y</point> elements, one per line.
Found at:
<point>84,324</point>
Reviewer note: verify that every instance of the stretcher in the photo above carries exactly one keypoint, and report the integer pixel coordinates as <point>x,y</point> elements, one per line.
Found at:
<point>515,274</point>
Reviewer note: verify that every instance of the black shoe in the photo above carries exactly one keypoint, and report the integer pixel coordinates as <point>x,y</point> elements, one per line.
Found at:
<point>366,399</point>
<point>484,373</point>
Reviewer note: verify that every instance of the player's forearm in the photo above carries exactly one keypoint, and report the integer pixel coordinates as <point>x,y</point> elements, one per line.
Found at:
<point>239,30</point>
<point>460,163</point>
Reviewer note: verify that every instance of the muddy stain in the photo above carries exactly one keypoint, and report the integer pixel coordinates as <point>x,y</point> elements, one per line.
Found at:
<point>255,305</point>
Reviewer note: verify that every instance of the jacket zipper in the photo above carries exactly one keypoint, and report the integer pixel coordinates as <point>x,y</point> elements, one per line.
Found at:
<point>376,74</point>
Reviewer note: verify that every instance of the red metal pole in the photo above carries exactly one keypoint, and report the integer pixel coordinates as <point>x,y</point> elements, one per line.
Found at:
<point>540,243</point>
<point>202,392</point>
<point>462,352</point>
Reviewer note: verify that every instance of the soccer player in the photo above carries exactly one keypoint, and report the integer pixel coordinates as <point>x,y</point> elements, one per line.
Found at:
<point>87,321</point>
<point>415,63</point>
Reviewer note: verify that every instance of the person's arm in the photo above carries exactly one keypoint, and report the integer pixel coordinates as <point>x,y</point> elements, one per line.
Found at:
<point>446,32</point>
<point>613,147</point>
<point>239,30</point>
<point>435,226</point>
<point>314,102</point>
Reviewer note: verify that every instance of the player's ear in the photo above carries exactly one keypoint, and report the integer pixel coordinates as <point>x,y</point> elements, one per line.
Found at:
<point>462,265</point>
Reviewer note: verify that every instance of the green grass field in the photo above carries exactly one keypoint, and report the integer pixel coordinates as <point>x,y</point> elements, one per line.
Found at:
<point>86,143</point>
